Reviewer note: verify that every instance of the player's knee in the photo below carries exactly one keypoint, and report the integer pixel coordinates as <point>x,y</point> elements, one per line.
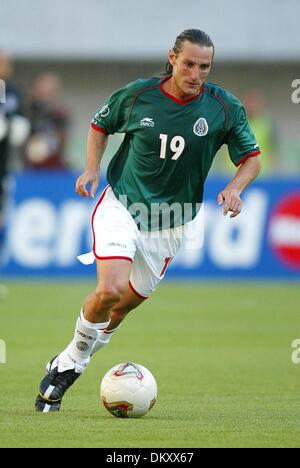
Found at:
<point>107,297</point>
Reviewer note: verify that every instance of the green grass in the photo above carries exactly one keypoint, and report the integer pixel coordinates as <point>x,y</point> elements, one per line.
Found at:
<point>221,355</point>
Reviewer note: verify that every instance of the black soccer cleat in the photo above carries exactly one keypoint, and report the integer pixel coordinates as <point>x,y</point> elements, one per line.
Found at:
<point>53,387</point>
<point>43,406</point>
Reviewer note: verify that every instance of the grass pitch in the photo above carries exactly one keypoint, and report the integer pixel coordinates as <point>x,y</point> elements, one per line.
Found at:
<point>221,355</point>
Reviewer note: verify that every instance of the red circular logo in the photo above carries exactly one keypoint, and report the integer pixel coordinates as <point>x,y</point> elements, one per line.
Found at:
<point>284,230</point>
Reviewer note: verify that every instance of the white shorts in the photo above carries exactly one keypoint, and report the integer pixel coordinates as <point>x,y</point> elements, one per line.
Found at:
<point>116,236</point>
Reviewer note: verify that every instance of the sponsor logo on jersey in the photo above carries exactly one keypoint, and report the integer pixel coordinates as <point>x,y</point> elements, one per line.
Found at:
<point>103,112</point>
<point>146,122</point>
<point>201,127</point>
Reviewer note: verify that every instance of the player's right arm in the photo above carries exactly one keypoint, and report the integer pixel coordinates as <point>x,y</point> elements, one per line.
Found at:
<point>96,146</point>
<point>112,117</point>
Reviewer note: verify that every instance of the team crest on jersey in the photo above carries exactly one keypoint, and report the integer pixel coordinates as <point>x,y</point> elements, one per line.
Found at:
<point>201,127</point>
<point>103,112</point>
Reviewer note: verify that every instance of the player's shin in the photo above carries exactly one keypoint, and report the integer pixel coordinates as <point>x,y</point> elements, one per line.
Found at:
<point>79,351</point>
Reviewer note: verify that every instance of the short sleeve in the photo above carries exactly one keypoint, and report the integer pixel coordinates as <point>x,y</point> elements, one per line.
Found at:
<point>113,115</point>
<point>240,138</point>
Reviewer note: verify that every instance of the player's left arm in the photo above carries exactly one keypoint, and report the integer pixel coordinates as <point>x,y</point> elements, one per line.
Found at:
<point>244,152</point>
<point>230,196</point>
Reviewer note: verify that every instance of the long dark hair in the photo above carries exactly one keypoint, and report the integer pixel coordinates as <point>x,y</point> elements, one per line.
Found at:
<point>195,36</point>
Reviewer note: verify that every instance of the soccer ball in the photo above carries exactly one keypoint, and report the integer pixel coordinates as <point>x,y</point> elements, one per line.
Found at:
<point>128,390</point>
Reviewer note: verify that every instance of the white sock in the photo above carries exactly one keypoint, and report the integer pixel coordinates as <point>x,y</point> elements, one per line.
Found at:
<point>104,338</point>
<point>97,326</point>
<point>78,352</point>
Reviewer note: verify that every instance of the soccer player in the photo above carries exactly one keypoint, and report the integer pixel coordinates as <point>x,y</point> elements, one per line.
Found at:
<point>173,128</point>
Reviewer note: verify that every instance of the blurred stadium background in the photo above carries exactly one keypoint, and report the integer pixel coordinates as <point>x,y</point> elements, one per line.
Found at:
<point>68,57</point>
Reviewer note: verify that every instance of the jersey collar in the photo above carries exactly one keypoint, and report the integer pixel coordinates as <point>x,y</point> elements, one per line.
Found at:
<point>181,102</point>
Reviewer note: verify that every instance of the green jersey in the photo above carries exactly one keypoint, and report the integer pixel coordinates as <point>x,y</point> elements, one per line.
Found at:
<point>169,146</point>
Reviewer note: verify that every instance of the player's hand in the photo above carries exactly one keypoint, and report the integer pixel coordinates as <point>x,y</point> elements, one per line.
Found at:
<point>232,202</point>
<point>88,177</point>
